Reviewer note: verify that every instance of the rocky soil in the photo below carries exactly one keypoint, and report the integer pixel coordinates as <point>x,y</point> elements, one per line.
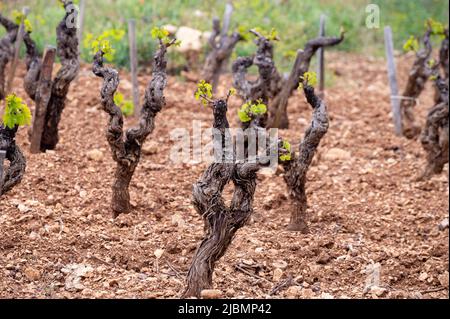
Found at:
<point>374,231</point>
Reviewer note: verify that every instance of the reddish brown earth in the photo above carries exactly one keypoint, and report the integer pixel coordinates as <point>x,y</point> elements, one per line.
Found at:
<point>364,209</point>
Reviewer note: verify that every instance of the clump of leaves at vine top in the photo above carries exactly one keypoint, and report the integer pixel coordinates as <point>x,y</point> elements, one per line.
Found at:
<point>412,44</point>
<point>290,54</point>
<point>204,92</point>
<point>163,35</point>
<point>436,27</point>
<point>271,35</point>
<point>103,42</point>
<point>250,110</point>
<point>126,106</point>
<point>431,63</point>
<point>308,78</point>
<point>244,32</point>
<point>16,113</point>
<point>18,17</point>
<point>285,151</point>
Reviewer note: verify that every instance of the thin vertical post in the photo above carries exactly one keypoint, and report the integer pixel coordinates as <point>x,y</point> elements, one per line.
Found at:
<point>134,64</point>
<point>392,74</point>
<point>18,43</point>
<point>321,59</point>
<point>82,10</point>
<point>227,18</point>
<point>2,159</point>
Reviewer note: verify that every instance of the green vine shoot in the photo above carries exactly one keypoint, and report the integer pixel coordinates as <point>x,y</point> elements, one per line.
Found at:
<point>163,36</point>
<point>16,112</point>
<point>104,42</point>
<point>250,110</point>
<point>309,78</point>
<point>18,17</point>
<point>126,106</point>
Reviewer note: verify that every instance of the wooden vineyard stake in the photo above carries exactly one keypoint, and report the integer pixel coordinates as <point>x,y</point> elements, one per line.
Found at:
<point>43,94</point>
<point>2,159</point>
<point>221,46</point>
<point>82,10</point>
<point>225,28</point>
<point>134,64</point>
<point>227,19</point>
<point>395,102</point>
<point>18,43</point>
<point>321,59</point>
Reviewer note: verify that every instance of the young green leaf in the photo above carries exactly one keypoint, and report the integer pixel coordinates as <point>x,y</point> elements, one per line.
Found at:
<point>116,34</point>
<point>271,35</point>
<point>243,116</point>
<point>258,109</point>
<point>103,42</point>
<point>244,32</point>
<point>285,157</point>
<point>250,110</point>
<point>412,44</point>
<point>118,99</point>
<point>87,41</point>
<point>126,106</point>
<point>18,17</point>
<point>287,146</point>
<point>436,27</point>
<point>286,152</point>
<point>159,33</point>
<point>204,92</point>
<point>28,26</point>
<point>309,78</point>
<point>16,113</point>
<point>431,63</point>
<point>105,47</point>
<point>163,35</point>
<point>290,54</point>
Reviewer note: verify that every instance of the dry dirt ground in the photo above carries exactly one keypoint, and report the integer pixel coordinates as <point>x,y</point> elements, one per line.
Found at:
<point>366,212</point>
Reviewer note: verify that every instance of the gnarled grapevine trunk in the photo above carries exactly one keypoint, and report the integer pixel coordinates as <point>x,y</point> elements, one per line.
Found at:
<point>418,76</point>
<point>221,222</point>
<point>435,136</point>
<point>222,46</point>
<point>443,62</point>
<point>262,88</point>
<point>33,62</point>
<point>6,49</point>
<point>278,108</point>
<point>443,54</point>
<point>17,163</point>
<point>67,51</point>
<point>126,147</point>
<point>297,168</point>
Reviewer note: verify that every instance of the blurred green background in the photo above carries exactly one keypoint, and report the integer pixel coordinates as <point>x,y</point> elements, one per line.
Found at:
<point>296,21</point>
